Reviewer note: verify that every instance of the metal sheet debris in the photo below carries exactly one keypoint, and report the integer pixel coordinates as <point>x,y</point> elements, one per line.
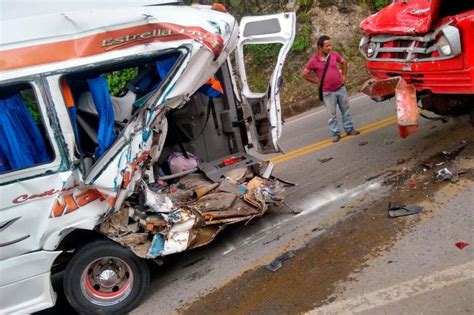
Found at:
<point>215,202</point>
<point>230,187</point>
<point>395,210</point>
<point>117,224</point>
<point>239,209</point>
<point>162,219</point>
<point>157,201</point>
<point>137,242</point>
<point>278,262</point>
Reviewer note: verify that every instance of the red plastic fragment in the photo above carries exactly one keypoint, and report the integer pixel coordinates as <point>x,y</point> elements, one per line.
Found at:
<point>461,245</point>
<point>230,161</point>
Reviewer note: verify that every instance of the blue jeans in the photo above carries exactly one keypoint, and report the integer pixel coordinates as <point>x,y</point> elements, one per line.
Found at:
<point>332,100</point>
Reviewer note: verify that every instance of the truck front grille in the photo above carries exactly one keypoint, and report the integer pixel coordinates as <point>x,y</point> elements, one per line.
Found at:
<point>443,43</point>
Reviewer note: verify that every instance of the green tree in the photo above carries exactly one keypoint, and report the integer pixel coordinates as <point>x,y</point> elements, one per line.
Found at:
<point>117,80</point>
<point>379,4</point>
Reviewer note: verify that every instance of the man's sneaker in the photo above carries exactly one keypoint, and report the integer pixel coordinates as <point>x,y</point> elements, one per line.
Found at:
<point>353,132</point>
<point>336,138</point>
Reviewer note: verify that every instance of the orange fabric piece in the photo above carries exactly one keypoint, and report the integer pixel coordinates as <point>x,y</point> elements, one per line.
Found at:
<point>67,94</point>
<point>215,84</point>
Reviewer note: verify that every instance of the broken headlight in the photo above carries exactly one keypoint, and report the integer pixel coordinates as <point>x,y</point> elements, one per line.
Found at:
<point>366,47</point>
<point>371,49</point>
<point>444,47</point>
<point>449,43</point>
<point>363,45</point>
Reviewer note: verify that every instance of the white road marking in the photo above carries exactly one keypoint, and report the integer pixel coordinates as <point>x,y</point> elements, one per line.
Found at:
<point>304,117</point>
<point>401,291</point>
<point>229,249</point>
<point>289,122</point>
<point>358,97</point>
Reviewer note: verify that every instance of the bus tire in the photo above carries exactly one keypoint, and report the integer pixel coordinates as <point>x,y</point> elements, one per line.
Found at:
<point>104,277</point>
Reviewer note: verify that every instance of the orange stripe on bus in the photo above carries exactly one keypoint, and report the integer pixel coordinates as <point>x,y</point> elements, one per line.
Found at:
<point>103,42</point>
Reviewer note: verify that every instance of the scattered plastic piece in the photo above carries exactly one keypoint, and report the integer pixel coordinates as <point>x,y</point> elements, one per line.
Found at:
<point>429,164</point>
<point>277,263</point>
<point>412,182</point>
<point>455,152</point>
<point>325,160</point>
<point>461,245</point>
<point>363,143</point>
<point>395,210</point>
<point>446,174</point>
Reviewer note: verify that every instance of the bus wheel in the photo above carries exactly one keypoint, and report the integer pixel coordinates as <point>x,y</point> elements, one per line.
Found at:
<point>104,277</point>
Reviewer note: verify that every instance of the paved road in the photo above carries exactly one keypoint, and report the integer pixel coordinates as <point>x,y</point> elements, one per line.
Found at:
<point>327,193</point>
<point>348,255</point>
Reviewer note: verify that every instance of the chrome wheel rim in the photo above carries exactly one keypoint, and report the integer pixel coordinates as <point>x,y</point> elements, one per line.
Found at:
<point>107,281</point>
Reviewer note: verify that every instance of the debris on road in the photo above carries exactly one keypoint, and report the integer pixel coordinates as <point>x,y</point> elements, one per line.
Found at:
<point>443,157</point>
<point>455,152</point>
<point>395,210</point>
<point>363,143</point>
<point>277,263</point>
<point>324,160</point>
<point>429,164</point>
<point>292,210</point>
<point>461,245</point>
<point>446,174</point>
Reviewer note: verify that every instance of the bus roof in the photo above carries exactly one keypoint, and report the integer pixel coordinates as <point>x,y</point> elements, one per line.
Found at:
<point>91,28</point>
<point>13,9</point>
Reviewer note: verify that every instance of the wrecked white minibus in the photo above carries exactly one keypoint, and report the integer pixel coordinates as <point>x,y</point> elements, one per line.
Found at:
<point>95,183</point>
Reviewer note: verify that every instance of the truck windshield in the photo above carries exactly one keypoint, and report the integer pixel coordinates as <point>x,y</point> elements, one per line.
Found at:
<point>453,7</point>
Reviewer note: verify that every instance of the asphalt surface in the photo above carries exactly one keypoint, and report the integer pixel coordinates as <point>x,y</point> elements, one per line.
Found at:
<point>347,255</point>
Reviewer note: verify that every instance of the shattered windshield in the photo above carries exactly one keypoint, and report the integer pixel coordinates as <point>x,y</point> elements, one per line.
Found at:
<point>162,67</point>
<point>101,101</point>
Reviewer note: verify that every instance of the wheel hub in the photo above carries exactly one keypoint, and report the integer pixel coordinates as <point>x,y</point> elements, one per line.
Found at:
<point>108,278</point>
<point>107,281</point>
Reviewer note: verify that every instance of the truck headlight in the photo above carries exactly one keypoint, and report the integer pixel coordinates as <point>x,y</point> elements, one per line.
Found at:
<point>363,45</point>
<point>449,42</point>
<point>371,49</point>
<point>363,41</point>
<point>444,47</point>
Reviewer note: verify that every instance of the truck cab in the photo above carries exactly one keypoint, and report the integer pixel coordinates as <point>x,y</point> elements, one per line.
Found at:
<point>421,50</point>
<point>95,181</point>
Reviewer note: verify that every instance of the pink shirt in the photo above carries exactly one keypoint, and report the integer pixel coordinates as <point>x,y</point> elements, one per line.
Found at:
<point>332,81</point>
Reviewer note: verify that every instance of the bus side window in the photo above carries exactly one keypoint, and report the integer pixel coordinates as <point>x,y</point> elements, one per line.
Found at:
<point>23,143</point>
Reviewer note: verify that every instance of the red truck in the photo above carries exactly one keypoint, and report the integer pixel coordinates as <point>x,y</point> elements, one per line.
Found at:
<point>421,50</point>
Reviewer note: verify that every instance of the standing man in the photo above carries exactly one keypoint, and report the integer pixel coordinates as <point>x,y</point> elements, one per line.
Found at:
<point>333,89</point>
